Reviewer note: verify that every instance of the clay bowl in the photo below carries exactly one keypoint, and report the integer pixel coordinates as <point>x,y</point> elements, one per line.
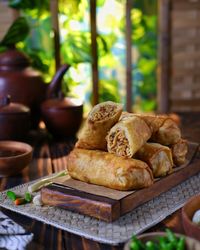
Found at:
<point>191,244</point>
<point>62,116</point>
<point>14,156</point>
<point>188,210</point>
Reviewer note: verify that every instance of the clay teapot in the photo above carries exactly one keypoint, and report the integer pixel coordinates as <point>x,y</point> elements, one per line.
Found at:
<point>24,84</point>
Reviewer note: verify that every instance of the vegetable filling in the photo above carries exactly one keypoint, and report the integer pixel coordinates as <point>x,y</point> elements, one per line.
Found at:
<point>119,143</point>
<point>104,112</point>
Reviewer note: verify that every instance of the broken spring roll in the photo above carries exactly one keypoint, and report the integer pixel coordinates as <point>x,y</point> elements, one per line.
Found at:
<point>158,157</point>
<point>179,152</point>
<point>127,136</point>
<point>100,119</point>
<point>101,168</point>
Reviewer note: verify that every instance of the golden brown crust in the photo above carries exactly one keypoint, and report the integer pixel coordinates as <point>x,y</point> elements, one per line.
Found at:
<point>179,152</point>
<point>153,121</point>
<point>102,168</point>
<point>168,134</point>
<point>100,119</point>
<point>164,129</point>
<point>127,136</point>
<point>158,157</point>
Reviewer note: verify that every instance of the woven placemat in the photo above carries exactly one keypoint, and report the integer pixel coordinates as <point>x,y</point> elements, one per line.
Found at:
<point>137,221</point>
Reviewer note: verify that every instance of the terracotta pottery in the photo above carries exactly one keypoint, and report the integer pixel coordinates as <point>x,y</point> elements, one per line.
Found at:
<point>24,84</point>
<point>188,210</point>
<point>62,116</point>
<point>14,120</point>
<point>14,156</point>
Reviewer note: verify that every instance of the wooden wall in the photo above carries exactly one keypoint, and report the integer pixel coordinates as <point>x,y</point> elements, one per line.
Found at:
<point>6,17</point>
<point>179,66</point>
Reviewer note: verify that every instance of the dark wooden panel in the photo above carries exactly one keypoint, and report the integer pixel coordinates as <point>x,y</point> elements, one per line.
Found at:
<point>94,51</point>
<point>186,4</point>
<point>55,27</point>
<point>129,80</point>
<point>96,206</point>
<point>164,56</point>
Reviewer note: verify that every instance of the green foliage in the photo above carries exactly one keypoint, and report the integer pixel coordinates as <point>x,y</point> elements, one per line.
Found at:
<point>71,9</point>
<point>109,90</point>
<point>17,32</point>
<point>145,40</point>
<point>76,46</point>
<point>34,7</point>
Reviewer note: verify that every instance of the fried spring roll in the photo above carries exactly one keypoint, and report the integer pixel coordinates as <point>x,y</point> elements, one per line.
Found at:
<point>179,152</point>
<point>158,157</point>
<point>105,169</point>
<point>164,130</point>
<point>168,134</point>
<point>127,136</point>
<point>153,121</point>
<point>100,119</point>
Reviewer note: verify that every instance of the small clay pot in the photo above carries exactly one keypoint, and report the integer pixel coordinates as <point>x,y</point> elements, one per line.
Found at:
<point>14,120</point>
<point>62,116</point>
<point>14,156</point>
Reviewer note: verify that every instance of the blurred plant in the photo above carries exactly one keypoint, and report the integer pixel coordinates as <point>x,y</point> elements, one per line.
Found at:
<point>17,32</point>
<point>145,40</point>
<point>76,46</point>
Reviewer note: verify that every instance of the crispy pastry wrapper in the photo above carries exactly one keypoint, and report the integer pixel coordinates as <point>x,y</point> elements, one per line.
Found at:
<point>153,121</point>
<point>158,157</point>
<point>127,136</point>
<point>105,169</point>
<point>100,119</point>
<point>168,134</point>
<point>179,152</point>
<point>164,129</point>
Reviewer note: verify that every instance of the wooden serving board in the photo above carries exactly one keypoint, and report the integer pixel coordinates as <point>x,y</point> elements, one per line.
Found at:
<point>108,204</point>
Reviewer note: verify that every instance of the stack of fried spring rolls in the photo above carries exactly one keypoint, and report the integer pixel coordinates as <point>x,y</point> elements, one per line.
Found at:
<point>169,150</point>
<point>87,163</point>
<point>127,139</point>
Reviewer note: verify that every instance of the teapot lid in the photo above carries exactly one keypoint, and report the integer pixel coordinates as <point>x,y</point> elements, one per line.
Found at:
<point>7,107</point>
<point>13,58</point>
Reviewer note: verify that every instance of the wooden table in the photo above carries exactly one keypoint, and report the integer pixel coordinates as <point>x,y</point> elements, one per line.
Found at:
<point>50,156</point>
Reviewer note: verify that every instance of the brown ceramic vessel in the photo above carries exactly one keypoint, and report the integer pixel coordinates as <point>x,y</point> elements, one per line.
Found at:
<point>62,116</point>
<point>14,120</point>
<point>24,84</point>
<point>14,156</point>
<point>188,210</point>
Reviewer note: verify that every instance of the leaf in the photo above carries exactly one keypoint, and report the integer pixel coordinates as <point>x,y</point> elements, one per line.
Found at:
<point>16,4</point>
<point>69,7</point>
<point>109,90</point>
<point>77,48</point>
<point>2,48</point>
<point>17,32</point>
<point>33,7</point>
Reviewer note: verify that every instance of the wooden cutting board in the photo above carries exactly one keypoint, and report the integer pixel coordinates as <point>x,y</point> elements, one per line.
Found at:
<point>108,204</point>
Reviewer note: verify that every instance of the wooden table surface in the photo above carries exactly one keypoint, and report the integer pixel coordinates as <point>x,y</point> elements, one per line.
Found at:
<point>50,156</point>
